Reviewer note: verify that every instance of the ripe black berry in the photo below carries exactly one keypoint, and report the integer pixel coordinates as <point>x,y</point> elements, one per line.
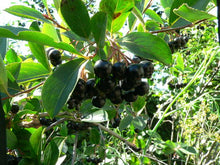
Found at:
<point>118,70</point>
<point>14,108</point>
<point>98,101</point>
<point>106,85</point>
<point>130,96</point>
<point>134,72</point>
<point>55,57</point>
<point>128,84</point>
<point>116,95</point>
<point>142,89</point>
<point>102,68</point>
<point>90,88</point>
<point>148,68</point>
<point>136,60</point>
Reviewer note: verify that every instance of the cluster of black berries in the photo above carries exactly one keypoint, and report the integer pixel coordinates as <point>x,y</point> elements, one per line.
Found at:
<point>94,160</point>
<point>47,122</point>
<point>14,108</point>
<point>178,43</point>
<point>54,56</point>
<point>115,82</point>
<point>76,126</point>
<point>176,86</point>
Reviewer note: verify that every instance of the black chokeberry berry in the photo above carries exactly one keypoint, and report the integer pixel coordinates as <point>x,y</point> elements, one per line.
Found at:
<point>134,72</point>
<point>148,68</point>
<point>116,95</point>
<point>90,88</point>
<point>106,85</point>
<point>98,101</point>
<point>130,96</point>
<point>136,60</point>
<point>14,108</point>
<point>118,70</point>
<point>142,89</point>
<point>128,84</point>
<point>55,57</point>
<point>102,68</point>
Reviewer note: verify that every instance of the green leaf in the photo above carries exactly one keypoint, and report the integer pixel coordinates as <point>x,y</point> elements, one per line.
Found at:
<point>180,63</point>
<point>11,139</point>
<point>192,15</point>
<point>97,116</point>
<point>73,36</point>
<point>169,147</point>
<point>26,12</point>
<point>175,20</point>
<point>59,85</point>
<point>98,25</point>
<point>153,15</point>
<point>139,123</point>
<point>51,31</point>
<point>59,141</point>
<point>12,84</point>
<point>31,71</point>
<point>3,46</point>
<point>51,153</point>
<point>14,69</point>
<point>166,3</point>
<point>139,104</point>
<point>76,16</point>
<point>3,77</point>
<point>186,149</point>
<point>148,46</point>
<point>11,56</point>
<point>94,136</point>
<point>35,141</point>
<point>118,22</point>
<point>152,25</point>
<point>34,36</point>
<point>33,104</point>
<point>125,122</point>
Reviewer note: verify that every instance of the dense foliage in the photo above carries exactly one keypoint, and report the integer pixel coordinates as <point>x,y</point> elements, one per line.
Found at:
<point>129,82</point>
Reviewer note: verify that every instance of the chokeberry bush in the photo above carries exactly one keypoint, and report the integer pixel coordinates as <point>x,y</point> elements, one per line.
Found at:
<point>110,82</point>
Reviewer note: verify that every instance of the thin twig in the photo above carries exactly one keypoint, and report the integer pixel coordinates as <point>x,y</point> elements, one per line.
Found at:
<point>55,123</point>
<point>133,146</point>
<point>26,91</point>
<point>55,22</point>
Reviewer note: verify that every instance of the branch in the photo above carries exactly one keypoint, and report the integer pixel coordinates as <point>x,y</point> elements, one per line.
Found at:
<point>133,146</point>
<point>177,28</point>
<point>55,22</point>
<point>26,91</point>
<point>55,123</point>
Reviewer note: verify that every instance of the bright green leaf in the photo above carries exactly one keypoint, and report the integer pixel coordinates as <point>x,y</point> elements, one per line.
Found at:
<point>34,36</point>
<point>180,63</point>
<point>3,77</point>
<point>147,46</point>
<point>14,68</point>
<point>59,141</point>
<point>98,24</point>
<point>166,3</point>
<point>139,123</point>
<point>125,122</point>
<point>11,56</point>
<point>190,14</point>
<point>31,71</point>
<point>59,85</point>
<point>51,31</point>
<point>118,22</point>
<point>139,104</point>
<point>35,140</point>
<point>153,15</point>
<point>76,16</point>
<point>26,12</point>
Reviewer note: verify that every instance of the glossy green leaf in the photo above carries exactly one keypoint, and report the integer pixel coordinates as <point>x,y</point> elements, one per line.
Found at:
<point>175,20</point>
<point>11,56</point>
<point>26,12</point>
<point>169,147</point>
<point>34,36</point>
<point>73,36</point>
<point>14,69</point>
<point>59,85</point>
<point>180,63</point>
<point>11,139</point>
<point>139,123</point>
<point>76,16</point>
<point>33,104</point>
<point>3,46</point>
<point>147,46</point>
<point>152,25</point>
<point>98,24</point>
<point>3,77</point>
<point>51,31</point>
<point>153,15</point>
<point>192,15</point>
<point>35,140</point>
<point>51,153</point>
<point>189,150</point>
<point>94,136</point>
<point>31,71</point>
<point>59,141</point>
<point>97,116</point>
<point>125,122</point>
<point>118,22</point>
<point>166,3</point>
<point>13,86</point>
